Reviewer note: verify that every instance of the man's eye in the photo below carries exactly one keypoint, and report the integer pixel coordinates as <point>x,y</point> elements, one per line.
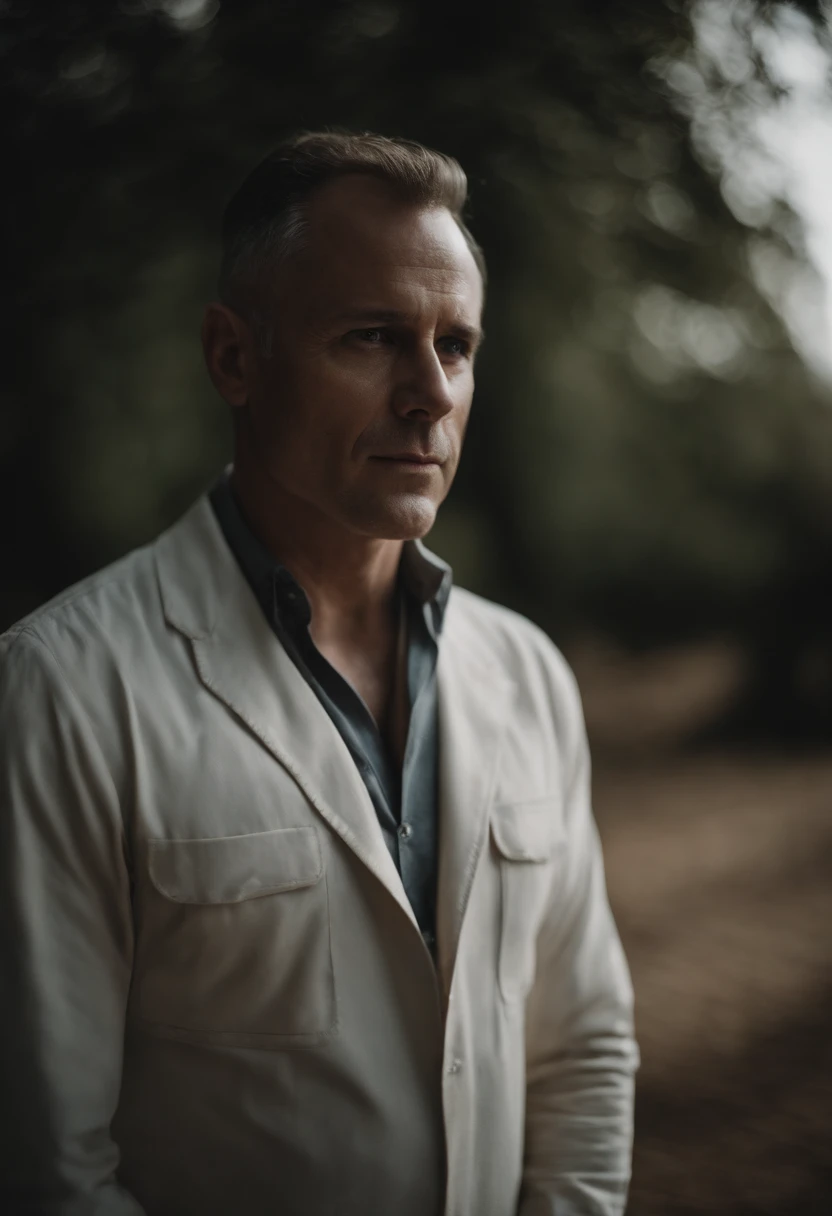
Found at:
<point>455,346</point>
<point>373,336</point>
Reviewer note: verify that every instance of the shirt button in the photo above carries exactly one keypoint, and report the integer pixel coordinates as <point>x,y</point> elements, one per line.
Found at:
<point>405,831</point>
<point>455,1066</point>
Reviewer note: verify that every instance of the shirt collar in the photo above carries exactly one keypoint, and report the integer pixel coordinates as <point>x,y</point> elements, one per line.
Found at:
<point>425,577</point>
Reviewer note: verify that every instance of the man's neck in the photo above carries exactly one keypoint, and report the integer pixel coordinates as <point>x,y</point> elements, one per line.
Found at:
<point>349,580</point>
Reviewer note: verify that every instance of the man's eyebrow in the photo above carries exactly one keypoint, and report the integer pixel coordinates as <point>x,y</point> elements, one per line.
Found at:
<point>392,316</point>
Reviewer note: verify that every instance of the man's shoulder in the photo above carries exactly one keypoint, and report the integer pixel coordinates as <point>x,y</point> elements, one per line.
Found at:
<point>97,613</point>
<point>123,605</point>
<point>104,651</point>
<point>507,640</point>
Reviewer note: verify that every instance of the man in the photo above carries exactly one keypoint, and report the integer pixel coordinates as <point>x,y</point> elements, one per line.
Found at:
<point>303,901</point>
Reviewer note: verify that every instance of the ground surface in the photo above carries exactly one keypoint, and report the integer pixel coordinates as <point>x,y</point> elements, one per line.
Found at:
<point>719,869</point>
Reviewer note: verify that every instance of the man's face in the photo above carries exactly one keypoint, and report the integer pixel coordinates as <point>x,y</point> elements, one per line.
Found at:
<point>374,326</point>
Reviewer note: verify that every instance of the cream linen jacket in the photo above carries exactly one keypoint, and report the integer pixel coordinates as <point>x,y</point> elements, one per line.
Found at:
<point>215,997</point>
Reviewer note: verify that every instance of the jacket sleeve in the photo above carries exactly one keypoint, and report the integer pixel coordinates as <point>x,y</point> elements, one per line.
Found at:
<point>65,956</point>
<point>581,1054</point>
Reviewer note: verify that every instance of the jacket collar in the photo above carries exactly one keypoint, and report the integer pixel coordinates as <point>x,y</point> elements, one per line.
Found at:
<point>239,660</point>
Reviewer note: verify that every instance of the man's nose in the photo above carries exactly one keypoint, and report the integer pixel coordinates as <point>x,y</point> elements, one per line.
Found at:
<point>423,389</point>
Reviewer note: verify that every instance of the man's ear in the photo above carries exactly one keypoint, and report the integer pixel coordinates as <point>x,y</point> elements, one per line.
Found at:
<point>228,346</point>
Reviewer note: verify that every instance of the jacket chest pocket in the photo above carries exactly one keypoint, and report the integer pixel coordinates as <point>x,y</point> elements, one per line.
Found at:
<point>528,839</point>
<point>234,940</point>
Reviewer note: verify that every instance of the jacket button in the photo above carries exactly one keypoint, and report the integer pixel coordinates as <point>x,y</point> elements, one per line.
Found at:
<point>405,831</point>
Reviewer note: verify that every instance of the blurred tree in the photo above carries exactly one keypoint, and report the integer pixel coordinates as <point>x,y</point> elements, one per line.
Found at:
<point>648,454</point>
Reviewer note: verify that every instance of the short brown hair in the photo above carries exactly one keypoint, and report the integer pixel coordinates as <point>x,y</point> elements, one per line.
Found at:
<point>264,221</point>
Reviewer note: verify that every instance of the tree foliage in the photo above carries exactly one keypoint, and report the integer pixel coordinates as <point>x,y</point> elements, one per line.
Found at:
<point>648,454</point>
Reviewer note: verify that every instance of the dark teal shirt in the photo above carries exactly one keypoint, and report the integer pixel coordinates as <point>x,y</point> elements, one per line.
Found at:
<point>406,801</point>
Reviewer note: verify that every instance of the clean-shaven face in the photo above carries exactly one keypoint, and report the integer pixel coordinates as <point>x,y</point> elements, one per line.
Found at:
<point>360,407</point>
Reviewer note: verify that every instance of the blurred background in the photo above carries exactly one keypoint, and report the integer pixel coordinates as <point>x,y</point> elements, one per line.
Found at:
<point>648,472</point>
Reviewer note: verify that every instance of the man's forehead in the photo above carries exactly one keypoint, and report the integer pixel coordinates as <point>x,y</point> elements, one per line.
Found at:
<point>387,289</point>
<point>380,254</point>
<point>369,283</point>
<point>400,295</point>
<point>356,220</point>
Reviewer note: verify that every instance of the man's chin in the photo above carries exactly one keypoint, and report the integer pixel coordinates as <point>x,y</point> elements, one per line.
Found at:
<point>405,517</point>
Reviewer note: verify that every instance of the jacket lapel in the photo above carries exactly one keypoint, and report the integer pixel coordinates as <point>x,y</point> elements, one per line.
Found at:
<point>238,658</point>
<point>474,703</point>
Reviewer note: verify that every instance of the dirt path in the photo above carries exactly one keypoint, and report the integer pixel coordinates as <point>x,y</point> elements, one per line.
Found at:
<point>720,876</point>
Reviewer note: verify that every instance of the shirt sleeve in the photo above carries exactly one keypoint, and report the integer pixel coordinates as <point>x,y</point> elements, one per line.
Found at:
<point>66,952</point>
<point>581,1054</point>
